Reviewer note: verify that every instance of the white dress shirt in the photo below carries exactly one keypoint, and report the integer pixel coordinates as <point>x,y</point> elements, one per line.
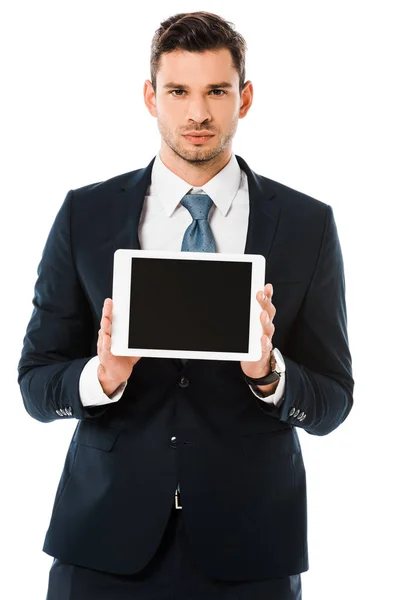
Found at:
<point>162,225</point>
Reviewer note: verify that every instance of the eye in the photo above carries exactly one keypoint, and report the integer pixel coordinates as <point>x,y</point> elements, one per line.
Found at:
<point>216,90</point>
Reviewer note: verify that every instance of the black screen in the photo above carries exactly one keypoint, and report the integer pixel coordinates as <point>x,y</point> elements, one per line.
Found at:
<point>198,305</point>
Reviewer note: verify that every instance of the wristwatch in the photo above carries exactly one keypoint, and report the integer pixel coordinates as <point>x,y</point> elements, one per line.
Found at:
<point>277,365</point>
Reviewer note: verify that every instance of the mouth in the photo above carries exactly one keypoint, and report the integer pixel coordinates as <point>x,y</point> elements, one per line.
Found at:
<point>198,139</point>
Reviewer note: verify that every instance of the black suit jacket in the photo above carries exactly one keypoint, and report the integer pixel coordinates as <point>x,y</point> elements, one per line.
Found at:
<point>238,459</point>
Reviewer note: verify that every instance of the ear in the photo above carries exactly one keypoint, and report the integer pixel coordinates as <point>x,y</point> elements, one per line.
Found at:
<point>150,98</point>
<point>246,99</point>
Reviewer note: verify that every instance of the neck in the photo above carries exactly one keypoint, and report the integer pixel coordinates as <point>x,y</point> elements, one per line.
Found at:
<point>195,174</point>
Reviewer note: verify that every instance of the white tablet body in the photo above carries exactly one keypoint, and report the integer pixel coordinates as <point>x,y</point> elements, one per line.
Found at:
<point>187,305</point>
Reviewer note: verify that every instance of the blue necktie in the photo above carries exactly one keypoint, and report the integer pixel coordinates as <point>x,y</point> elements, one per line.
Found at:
<point>198,236</point>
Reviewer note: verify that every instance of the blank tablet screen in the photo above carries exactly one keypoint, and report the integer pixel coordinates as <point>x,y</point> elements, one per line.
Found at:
<point>190,305</point>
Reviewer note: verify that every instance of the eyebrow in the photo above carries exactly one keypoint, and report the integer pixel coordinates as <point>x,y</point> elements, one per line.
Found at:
<point>211,86</point>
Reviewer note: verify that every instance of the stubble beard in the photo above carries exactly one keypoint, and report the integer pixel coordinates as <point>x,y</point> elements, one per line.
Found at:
<point>195,156</point>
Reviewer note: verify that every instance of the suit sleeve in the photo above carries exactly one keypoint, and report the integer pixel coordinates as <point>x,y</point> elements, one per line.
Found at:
<point>319,384</point>
<point>59,336</point>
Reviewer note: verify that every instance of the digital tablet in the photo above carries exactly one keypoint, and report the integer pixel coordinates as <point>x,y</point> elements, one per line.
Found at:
<point>187,305</point>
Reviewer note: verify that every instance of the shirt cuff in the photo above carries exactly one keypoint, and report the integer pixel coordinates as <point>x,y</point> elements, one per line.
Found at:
<point>90,391</point>
<point>274,398</point>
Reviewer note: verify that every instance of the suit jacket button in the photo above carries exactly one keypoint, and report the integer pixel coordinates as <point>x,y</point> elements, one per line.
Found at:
<point>183,382</point>
<point>173,442</point>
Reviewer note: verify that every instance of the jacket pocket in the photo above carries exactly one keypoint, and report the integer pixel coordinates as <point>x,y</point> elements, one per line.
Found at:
<point>94,435</point>
<point>271,443</point>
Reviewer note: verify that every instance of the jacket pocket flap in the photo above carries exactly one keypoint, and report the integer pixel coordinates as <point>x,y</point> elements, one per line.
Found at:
<point>94,435</point>
<point>282,441</point>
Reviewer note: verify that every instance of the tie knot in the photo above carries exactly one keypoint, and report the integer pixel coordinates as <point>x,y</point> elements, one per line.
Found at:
<point>198,205</point>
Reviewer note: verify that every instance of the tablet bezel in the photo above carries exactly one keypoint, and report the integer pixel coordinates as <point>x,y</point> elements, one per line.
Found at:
<point>121,293</point>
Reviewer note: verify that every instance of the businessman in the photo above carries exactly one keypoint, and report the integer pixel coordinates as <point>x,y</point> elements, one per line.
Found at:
<point>185,479</point>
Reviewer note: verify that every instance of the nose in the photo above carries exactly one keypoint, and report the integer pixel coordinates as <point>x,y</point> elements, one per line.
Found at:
<point>198,110</point>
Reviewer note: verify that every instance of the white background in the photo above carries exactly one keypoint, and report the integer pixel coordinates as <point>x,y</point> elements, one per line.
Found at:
<point>325,121</point>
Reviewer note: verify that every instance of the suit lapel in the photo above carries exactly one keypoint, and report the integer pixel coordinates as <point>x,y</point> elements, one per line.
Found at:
<point>264,212</point>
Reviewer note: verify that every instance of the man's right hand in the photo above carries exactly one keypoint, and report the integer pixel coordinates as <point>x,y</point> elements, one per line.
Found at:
<point>113,370</point>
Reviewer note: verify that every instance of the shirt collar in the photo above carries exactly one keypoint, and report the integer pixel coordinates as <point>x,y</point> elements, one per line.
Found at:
<point>170,188</point>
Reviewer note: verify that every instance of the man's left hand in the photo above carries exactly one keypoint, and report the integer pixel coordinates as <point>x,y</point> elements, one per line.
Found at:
<point>261,368</point>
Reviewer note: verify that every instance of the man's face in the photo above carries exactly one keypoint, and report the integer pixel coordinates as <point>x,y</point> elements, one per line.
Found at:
<point>185,102</point>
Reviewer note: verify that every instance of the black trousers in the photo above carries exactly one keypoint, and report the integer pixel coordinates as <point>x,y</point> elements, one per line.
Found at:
<point>171,574</point>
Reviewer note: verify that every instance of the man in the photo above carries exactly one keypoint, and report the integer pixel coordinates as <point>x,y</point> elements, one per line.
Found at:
<point>185,478</point>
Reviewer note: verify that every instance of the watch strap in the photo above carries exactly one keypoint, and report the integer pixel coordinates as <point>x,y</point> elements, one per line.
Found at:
<point>268,379</point>
<point>272,376</point>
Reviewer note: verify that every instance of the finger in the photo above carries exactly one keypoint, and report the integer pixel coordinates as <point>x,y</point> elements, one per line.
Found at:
<point>106,321</point>
<point>99,342</point>
<point>106,325</point>
<point>107,343</point>
<point>104,346</point>
<point>266,303</point>
<point>268,290</point>
<point>264,318</point>
<point>104,333</point>
<point>267,324</point>
<point>265,295</point>
<point>270,309</point>
<point>270,330</point>
<point>261,298</point>
<point>267,315</point>
<point>266,345</point>
<point>107,308</point>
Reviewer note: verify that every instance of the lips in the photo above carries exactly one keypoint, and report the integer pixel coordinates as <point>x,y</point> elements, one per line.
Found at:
<point>196,135</point>
<point>198,138</point>
<point>202,133</point>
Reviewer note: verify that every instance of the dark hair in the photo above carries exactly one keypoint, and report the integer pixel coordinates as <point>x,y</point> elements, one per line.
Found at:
<point>197,32</point>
